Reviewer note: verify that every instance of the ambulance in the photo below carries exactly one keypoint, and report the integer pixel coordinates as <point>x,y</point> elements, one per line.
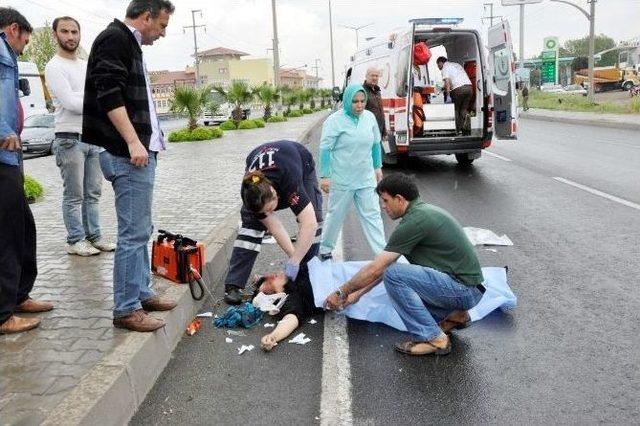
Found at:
<point>491,70</point>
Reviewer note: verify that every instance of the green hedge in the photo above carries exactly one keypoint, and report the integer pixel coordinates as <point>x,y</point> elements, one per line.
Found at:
<point>296,113</point>
<point>247,124</point>
<point>197,134</point>
<point>276,119</point>
<point>259,122</point>
<point>228,125</point>
<point>32,189</point>
<point>307,111</point>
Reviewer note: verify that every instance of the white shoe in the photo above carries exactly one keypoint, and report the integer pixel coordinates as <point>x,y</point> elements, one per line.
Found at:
<point>103,245</point>
<point>82,248</point>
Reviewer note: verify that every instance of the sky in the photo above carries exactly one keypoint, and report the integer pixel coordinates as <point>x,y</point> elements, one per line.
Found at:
<point>303,25</point>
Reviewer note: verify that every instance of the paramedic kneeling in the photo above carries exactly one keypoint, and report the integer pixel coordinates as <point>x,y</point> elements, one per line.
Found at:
<point>442,281</point>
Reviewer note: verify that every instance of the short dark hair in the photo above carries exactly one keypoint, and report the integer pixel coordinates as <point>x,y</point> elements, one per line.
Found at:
<point>398,184</point>
<point>441,59</point>
<point>9,15</point>
<point>63,18</point>
<point>138,7</point>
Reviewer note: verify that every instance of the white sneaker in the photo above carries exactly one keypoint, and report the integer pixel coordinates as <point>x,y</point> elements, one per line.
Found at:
<point>103,245</point>
<point>82,248</point>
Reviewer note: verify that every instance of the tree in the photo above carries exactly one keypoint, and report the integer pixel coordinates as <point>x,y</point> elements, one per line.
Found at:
<point>312,92</point>
<point>579,63</point>
<point>325,97</point>
<point>268,95</point>
<point>238,94</point>
<point>303,96</point>
<point>192,101</point>
<point>41,48</point>
<point>289,98</point>
<point>580,47</point>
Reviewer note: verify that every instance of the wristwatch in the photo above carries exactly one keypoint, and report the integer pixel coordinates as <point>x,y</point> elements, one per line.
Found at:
<point>341,294</point>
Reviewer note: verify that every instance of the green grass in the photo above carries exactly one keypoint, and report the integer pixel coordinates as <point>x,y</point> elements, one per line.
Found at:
<point>32,189</point>
<point>542,100</point>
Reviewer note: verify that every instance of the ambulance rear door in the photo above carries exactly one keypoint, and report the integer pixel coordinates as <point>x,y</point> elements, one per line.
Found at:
<point>502,66</point>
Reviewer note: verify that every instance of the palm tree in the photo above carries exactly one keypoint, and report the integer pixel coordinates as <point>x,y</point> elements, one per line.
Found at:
<point>190,100</point>
<point>325,95</point>
<point>312,92</point>
<point>289,98</point>
<point>238,94</point>
<point>267,94</point>
<point>303,97</point>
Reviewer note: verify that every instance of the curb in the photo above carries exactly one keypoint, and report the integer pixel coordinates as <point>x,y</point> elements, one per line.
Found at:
<point>112,391</point>
<point>585,121</point>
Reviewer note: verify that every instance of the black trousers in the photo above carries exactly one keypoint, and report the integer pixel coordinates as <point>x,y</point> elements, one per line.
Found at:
<point>461,101</point>
<point>249,240</point>
<point>18,268</point>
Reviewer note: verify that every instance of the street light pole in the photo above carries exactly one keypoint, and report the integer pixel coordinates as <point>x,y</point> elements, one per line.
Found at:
<point>356,29</point>
<point>591,16</point>
<point>276,52</point>
<point>521,50</point>
<point>195,42</point>
<point>333,67</point>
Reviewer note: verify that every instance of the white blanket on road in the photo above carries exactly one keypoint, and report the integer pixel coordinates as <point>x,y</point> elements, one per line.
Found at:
<point>375,306</point>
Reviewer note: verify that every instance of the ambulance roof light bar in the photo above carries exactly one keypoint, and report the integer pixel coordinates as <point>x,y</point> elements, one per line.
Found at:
<point>436,21</point>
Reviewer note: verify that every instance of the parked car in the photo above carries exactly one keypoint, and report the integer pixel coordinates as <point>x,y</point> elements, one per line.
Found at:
<point>38,134</point>
<point>575,89</point>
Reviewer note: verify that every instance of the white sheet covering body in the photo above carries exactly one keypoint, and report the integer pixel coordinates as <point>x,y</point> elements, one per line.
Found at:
<point>376,306</point>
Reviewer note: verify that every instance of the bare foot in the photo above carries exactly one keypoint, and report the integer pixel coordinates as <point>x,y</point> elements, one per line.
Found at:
<point>268,342</point>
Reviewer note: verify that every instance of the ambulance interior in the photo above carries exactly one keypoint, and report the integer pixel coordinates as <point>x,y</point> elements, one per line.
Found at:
<point>428,86</point>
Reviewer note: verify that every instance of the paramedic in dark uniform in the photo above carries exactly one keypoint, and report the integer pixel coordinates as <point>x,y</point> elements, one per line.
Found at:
<point>279,175</point>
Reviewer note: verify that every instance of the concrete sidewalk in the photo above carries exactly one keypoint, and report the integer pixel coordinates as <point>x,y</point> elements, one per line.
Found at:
<point>617,121</point>
<point>76,368</point>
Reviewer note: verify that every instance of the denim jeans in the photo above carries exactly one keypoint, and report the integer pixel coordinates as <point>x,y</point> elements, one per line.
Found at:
<point>80,170</point>
<point>424,296</point>
<point>133,188</point>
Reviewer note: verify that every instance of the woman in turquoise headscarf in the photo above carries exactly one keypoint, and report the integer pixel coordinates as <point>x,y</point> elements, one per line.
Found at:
<point>350,168</point>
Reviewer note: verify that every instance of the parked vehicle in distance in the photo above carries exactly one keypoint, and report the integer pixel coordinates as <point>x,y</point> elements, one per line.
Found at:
<point>223,113</point>
<point>575,89</point>
<point>551,88</point>
<point>38,134</point>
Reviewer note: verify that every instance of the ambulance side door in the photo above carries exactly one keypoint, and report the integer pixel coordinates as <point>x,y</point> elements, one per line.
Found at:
<point>502,74</point>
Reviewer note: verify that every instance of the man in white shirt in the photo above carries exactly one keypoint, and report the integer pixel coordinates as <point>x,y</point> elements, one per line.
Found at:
<point>78,162</point>
<point>458,86</point>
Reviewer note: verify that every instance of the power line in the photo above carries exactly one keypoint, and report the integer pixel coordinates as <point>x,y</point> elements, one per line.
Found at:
<point>195,41</point>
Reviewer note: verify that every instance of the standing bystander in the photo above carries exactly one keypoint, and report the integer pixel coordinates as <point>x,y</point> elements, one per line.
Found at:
<point>119,115</point>
<point>18,267</point>
<point>525,97</point>
<point>78,161</point>
<point>374,99</point>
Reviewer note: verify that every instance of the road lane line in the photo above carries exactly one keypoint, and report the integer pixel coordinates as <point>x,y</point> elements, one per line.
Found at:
<point>496,155</point>
<point>599,193</point>
<point>335,400</point>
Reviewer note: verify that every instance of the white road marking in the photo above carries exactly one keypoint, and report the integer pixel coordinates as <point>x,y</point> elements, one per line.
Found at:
<point>599,193</point>
<point>335,400</point>
<point>496,155</point>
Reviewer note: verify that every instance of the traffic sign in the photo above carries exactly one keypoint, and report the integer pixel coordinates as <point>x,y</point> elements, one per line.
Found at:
<point>551,43</point>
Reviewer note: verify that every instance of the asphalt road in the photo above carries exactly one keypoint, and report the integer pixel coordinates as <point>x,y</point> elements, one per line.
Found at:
<point>568,196</point>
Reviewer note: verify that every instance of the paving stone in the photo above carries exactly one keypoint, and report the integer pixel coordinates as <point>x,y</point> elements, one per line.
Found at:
<point>92,344</point>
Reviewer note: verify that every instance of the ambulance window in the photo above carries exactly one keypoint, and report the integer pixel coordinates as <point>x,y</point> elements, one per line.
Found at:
<point>501,68</point>
<point>401,72</point>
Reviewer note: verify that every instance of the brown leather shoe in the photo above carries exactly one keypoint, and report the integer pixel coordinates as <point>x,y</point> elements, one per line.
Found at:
<point>158,303</point>
<point>17,324</point>
<point>138,321</point>
<point>31,306</point>
<point>456,320</point>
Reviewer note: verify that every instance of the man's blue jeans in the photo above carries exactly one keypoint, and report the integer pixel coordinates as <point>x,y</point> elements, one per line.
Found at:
<point>424,296</point>
<point>133,188</point>
<point>80,170</point>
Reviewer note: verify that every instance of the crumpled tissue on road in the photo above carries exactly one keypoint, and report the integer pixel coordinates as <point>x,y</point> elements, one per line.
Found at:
<point>485,237</point>
<point>244,348</point>
<point>270,303</point>
<point>375,306</point>
<point>245,315</point>
<point>300,339</point>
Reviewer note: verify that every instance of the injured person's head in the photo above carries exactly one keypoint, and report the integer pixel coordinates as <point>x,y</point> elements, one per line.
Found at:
<point>271,283</point>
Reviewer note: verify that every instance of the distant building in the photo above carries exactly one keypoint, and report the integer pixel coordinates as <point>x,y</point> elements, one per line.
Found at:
<point>297,79</point>
<point>311,81</point>
<point>164,83</point>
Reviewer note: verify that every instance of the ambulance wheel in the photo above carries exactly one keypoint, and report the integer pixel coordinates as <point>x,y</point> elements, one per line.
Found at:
<point>464,160</point>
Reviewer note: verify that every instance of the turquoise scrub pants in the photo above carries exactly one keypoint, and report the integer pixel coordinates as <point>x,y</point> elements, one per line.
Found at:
<point>368,209</point>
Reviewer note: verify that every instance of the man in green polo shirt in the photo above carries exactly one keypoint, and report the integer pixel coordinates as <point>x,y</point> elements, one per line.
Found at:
<point>442,281</point>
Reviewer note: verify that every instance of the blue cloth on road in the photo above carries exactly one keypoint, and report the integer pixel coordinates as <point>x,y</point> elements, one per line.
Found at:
<point>245,315</point>
<point>375,306</point>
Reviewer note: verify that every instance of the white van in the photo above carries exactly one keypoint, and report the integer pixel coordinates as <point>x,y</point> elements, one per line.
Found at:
<point>35,103</point>
<point>494,105</point>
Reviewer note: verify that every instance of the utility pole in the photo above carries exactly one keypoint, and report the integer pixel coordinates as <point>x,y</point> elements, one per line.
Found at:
<point>333,67</point>
<point>195,42</point>
<point>316,66</point>
<point>591,16</point>
<point>521,49</point>
<point>276,51</point>
<point>491,15</point>
<point>356,29</point>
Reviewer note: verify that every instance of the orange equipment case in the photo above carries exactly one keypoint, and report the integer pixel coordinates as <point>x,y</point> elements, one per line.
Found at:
<point>177,258</point>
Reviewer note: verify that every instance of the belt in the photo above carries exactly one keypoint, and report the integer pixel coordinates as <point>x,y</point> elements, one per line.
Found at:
<point>67,135</point>
<point>481,288</point>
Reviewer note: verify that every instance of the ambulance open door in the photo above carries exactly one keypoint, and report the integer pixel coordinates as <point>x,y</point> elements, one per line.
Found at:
<point>501,62</point>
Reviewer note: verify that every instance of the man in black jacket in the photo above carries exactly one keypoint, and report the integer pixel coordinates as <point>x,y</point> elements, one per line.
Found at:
<point>119,115</point>
<point>374,99</point>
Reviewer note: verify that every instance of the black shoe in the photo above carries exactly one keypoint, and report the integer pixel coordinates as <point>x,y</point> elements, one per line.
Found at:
<point>325,256</point>
<point>233,296</point>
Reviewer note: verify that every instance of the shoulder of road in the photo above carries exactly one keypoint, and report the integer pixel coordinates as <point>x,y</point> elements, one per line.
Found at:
<point>617,121</point>
<point>76,368</point>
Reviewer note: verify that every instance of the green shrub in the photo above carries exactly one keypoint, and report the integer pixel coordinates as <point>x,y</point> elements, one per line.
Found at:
<point>276,119</point>
<point>204,134</point>
<point>259,122</point>
<point>296,113</point>
<point>180,135</point>
<point>307,111</point>
<point>635,105</point>
<point>32,189</point>
<point>247,124</point>
<point>228,125</point>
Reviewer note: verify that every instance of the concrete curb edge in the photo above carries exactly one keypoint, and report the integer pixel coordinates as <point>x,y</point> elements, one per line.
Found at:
<point>124,376</point>
<point>600,122</point>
